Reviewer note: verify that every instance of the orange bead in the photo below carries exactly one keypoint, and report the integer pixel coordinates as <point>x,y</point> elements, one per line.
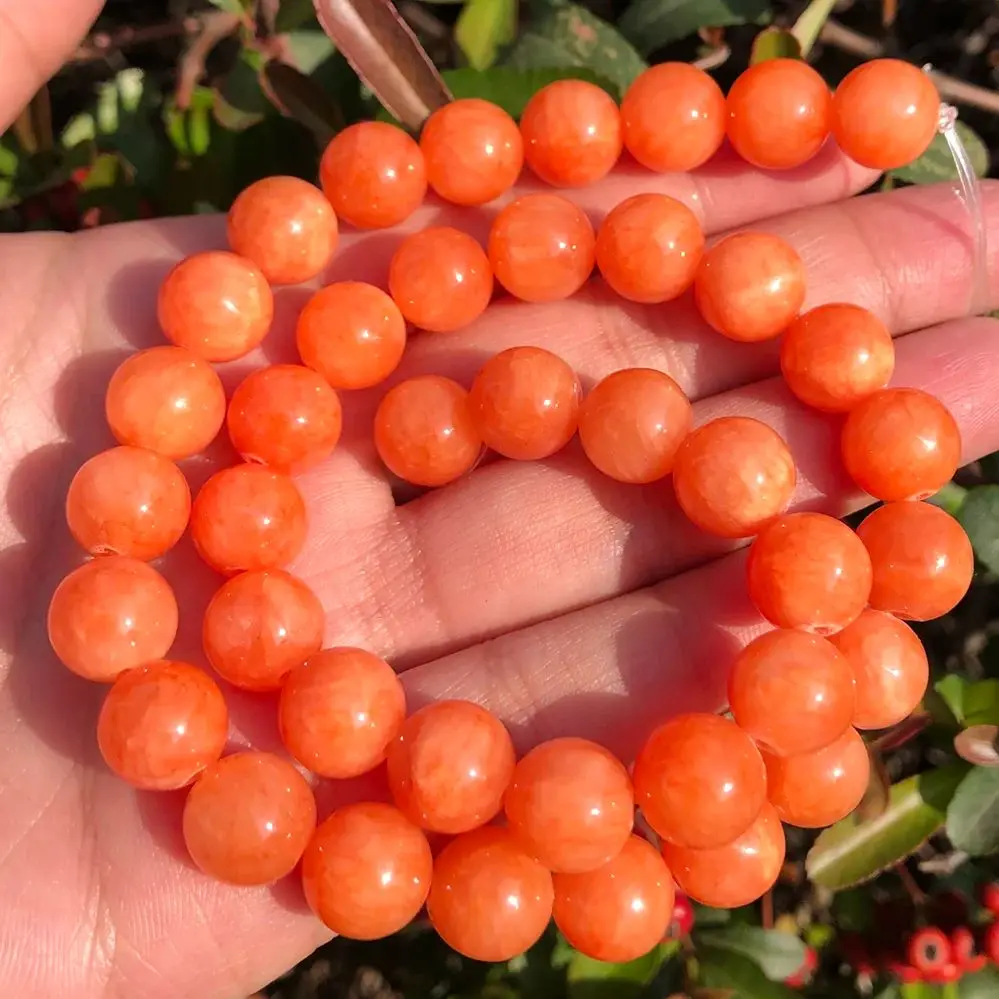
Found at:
<point>352,333</point>
<point>889,666</point>
<point>165,399</point>
<point>733,476</point>
<point>424,431</point>
<point>673,117</point>
<point>248,517</point>
<point>632,422</point>
<point>489,900</point>
<point>834,356</point>
<point>542,248</point>
<point>572,133</point>
<point>339,711</point>
<point>620,911</point>
<point>699,780</point>
<point>373,174</point>
<point>885,113</point>
<point>128,501</point>
<point>249,818</point>
<point>525,403</point>
<point>286,226</point>
<point>367,871</point>
<point>109,615</point>
<point>901,444</point>
<point>809,571</point>
<point>649,247</point>
<point>259,625</point>
<point>216,304</point>
<point>450,765</point>
<point>923,561</point>
<point>161,724</point>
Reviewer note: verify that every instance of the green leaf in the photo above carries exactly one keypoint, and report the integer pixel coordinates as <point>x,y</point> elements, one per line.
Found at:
<point>725,969</point>
<point>237,7</point>
<point>483,27</point>
<point>937,164</point>
<point>949,497</point>
<point>651,24</point>
<point>103,173</point>
<point>303,99</point>
<point>981,703</point>
<point>979,516</point>
<point>240,102</point>
<point>309,49</point>
<point>778,954</point>
<point>981,985</point>
<point>810,22</point>
<point>852,852</point>
<point>292,14</point>
<point>774,43</point>
<point>952,690</point>
<point>589,979</point>
<point>973,813</point>
<point>918,990</point>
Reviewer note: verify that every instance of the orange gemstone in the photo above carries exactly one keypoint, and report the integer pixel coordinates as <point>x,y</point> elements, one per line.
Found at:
<point>450,765</point>
<point>373,174</point>
<point>367,871</point>
<point>339,711</point>
<point>424,431</point>
<point>248,517</point>
<point>249,818</point>
<point>111,614</point>
<point>217,305</point>
<point>699,780</point>
<point>572,133</point>
<point>259,625</point>
<point>165,399</point>
<point>632,422</point>
<point>733,476</point>
<point>352,333</point>
<point>673,117</point>
<point>286,226</point>
<point>161,724</point>
<point>649,247</point>
<point>809,571</point>
<point>923,561</point>
<point>542,248</point>
<point>489,900</point>
<point>128,501</point>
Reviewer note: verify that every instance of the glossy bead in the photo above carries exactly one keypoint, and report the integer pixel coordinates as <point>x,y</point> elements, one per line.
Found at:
<point>367,871</point>
<point>525,403</point>
<point>473,151</point>
<point>901,443</point>
<point>673,117</point>
<point>488,899</point>
<point>885,113</point>
<point>259,625</point>
<point>834,356</point>
<point>128,501</point>
<point>542,248</point>
<point>339,710</point>
<point>165,399</point>
<point>649,247</point>
<point>441,279</point>
<point>733,476</point>
<point>791,692</point>
<point>249,818</point>
<point>161,724</point>
<point>373,174</point>
<point>286,226</point>
<point>109,615</point>
<point>450,765</point>
<point>699,780</point>
<point>809,571</point>
<point>620,911</point>
<point>216,304</point>
<point>352,333</point>
<point>922,558</point>
<point>248,517</point>
<point>572,133</point>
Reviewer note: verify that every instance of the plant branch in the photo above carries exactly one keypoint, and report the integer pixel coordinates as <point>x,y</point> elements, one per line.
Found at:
<point>715,58</point>
<point>215,25</point>
<point>102,44</point>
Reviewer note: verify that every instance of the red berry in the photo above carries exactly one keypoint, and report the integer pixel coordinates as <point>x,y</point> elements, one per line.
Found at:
<point>962,945</point>
<point>990,897</point>
<point>904,972</point>
<point>990,943</point>
<point>683,917</point>
<point>804,974</point>
<point>929,950</point>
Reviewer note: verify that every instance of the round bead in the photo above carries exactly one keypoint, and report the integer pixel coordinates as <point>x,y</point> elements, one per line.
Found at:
<point>699,781</point>
<point>165,399</point>
<point>572,133</point>
<point>373,174</point>
<point>259,625</point>
<point>109,615</point>
<point>367,871</point>
<point>161,724</point>
<point>217,305</point>
<point>339,710</point>
<point>249,818</point>
<point>128,501</point>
